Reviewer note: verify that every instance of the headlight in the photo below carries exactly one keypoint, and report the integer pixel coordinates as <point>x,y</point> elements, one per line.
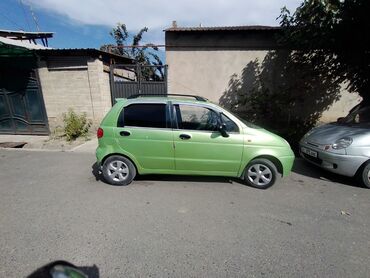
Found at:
<point>342,143</point>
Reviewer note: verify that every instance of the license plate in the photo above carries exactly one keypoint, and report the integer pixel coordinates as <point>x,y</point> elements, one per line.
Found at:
<point>309,152</point>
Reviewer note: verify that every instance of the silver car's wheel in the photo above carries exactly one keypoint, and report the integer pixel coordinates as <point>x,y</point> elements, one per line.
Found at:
<point>260,173</point>
<point>118,170</point>
<point>364,175</point>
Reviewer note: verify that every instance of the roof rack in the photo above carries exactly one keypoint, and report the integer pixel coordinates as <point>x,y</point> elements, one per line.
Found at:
<point>199,98</point>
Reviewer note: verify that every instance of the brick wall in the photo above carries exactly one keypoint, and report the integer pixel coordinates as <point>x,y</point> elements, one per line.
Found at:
<point>83,87</point>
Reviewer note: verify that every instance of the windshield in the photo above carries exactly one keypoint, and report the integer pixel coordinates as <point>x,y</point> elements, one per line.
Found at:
<point>248,124</point>
<point>359,116</point>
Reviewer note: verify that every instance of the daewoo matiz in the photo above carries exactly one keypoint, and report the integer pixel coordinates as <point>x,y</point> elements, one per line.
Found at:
<point>342,147</point>
<point>187,135</point>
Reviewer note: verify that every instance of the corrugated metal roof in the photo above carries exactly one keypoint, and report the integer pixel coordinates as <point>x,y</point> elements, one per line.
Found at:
<point>80,51</point>
<point>25,35</point>
<point>223,28</point>
<point>24,44</point>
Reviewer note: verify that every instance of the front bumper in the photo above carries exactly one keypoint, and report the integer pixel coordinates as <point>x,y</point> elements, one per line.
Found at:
<point>343,164</point>
<point>287,162</point>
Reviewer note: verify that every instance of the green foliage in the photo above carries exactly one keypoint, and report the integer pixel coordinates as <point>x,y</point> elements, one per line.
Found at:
<point>281,93</point>
<point>75,125</point>
<point>332,35</point>
<point>129,46</point>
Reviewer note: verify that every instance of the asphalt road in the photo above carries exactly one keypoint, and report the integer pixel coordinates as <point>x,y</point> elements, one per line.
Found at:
<point>52,207</point>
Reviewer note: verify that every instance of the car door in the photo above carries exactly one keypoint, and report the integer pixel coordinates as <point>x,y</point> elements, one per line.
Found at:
<point>199,146</point>
<point>144,131</point>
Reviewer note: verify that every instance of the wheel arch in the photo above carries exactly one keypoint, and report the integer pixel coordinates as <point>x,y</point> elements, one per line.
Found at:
<point>359,170</point>
<point>273,159</point>
<point>120,154</point>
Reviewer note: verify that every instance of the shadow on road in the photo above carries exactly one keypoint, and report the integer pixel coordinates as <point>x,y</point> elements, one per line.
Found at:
<point>309,170</point>
<point>175,178</point>
<point>44,271</point>
<point>300,167</point>
<point>182,178</point>
<point>96,172</point>
<point>90,271</point>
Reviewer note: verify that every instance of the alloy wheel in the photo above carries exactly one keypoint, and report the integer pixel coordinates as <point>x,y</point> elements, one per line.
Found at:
<point>117,170</point>
<point>259,174</point>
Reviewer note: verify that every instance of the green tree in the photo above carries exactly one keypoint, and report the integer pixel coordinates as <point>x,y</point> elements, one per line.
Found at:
<point>332,35</point>
<point>129,45</point>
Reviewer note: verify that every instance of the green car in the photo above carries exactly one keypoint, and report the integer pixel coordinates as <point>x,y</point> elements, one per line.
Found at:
<point>187,135</point>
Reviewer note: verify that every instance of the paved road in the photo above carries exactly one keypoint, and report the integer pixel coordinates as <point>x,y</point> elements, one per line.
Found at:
<point>52,207</point>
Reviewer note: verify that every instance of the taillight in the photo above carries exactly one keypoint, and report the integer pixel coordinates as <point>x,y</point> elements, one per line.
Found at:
<point>100,133</point>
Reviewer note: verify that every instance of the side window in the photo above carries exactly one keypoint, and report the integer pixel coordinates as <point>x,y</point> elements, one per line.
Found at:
<point>196,118</point>
<point>230,125</point>
<point>143,115</point>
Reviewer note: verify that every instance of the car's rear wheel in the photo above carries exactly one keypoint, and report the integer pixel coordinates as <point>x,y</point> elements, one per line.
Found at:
<point>260,173</point>
<point>364,175</point>
<point>118,170</point>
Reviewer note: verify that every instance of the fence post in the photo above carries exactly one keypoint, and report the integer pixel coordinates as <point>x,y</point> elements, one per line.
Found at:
<point>138,70</point>
<point>111,80</point>
<point>166,79</point>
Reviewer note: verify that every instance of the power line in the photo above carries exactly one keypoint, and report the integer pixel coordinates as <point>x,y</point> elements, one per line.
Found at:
<point>34,19</point>
<point>25,15</point>
<point>11,21</point>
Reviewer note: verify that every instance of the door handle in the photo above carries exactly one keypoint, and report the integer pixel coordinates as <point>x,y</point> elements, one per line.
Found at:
<point>125,133</point>
<point>185,136</point>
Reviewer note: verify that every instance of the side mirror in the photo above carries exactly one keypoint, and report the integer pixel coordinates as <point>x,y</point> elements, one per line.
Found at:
<point>340,119</point>
<point>222,130</point>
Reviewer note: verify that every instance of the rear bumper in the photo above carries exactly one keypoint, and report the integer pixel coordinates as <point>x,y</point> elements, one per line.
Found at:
<point>346,165</point>
<point>99,153</point>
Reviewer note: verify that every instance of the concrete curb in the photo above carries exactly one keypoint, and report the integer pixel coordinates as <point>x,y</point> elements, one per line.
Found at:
<point>87,147</point>
<point>35,143</point>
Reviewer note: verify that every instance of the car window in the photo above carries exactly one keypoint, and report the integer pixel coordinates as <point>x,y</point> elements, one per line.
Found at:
<point>247,123</point>
<point>196,118</point>
<point>358,116</point>
<point>230,125</point>
<point>143,115</point>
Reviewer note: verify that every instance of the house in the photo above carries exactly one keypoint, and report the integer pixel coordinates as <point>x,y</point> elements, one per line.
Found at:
<point>38,84</point>
<point>226,63</point>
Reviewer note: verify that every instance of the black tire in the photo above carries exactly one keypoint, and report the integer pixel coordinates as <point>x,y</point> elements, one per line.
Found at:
<point>258,166</point>
<point>118,170</point>
<point>364,175</point>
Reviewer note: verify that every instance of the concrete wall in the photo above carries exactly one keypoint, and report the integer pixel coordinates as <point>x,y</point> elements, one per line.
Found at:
<point>341,107</point>
<point>83,87</point>
<point>209,72</point>
<point>206,73</point>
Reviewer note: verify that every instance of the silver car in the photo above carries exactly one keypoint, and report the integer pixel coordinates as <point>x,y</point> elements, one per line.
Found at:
<point>342,147</point>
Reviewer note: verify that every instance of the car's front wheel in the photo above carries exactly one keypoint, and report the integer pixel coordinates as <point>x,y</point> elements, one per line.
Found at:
<point>260,173</point>
<point>118,170</point>
<point>364,175</point>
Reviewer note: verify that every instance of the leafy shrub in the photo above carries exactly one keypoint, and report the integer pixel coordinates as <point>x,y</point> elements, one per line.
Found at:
<point>75,125</point>
<point>281,93</point>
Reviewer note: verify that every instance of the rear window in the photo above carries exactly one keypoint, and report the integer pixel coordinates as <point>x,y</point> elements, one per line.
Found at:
<point>143,115</point>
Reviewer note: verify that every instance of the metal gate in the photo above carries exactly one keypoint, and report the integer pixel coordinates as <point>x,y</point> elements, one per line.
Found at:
<point>128,80</point>
<point>22,109</point>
